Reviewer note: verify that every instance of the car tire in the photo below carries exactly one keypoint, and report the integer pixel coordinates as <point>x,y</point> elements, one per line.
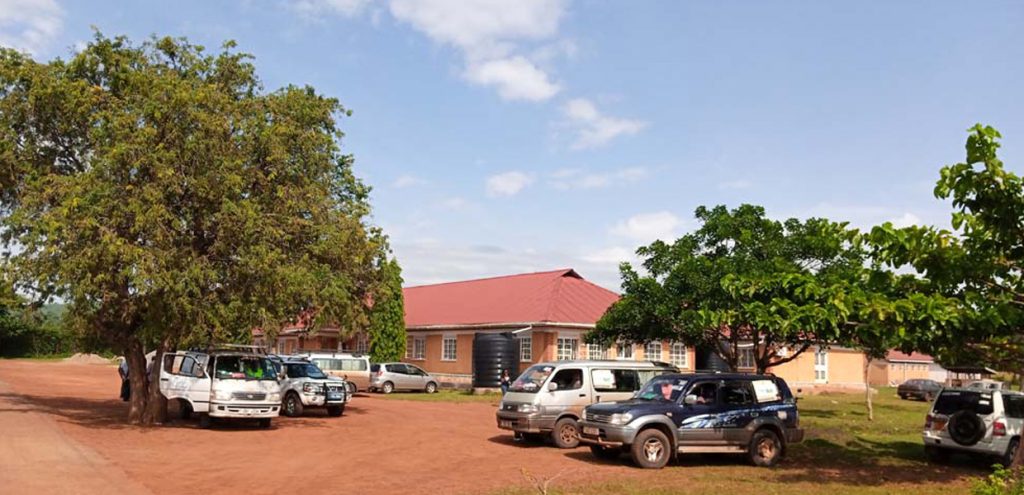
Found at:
<point>431,388</point>
<point>264,423</point>
<point>965,427</point>
<point>1011,451</point>
<point>205,421</point>
<point>935,454</point>
<point>765,448</point>
<point>387,387</point>
<point>292,406</point>
<point>351,388</point>
<point>605,453</point>
<point>335,411</point>
<point>651,449</point>
<point>566,434</point>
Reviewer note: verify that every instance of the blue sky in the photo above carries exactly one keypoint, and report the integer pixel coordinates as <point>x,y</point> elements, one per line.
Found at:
<point>524,135</point>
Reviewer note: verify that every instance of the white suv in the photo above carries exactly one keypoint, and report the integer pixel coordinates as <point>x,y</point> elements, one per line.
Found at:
<point>984,422</point>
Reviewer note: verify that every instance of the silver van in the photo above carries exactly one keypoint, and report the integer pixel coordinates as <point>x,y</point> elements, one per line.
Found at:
<point>353,368</point>
<point>388,377</point>
<point>548,398</point>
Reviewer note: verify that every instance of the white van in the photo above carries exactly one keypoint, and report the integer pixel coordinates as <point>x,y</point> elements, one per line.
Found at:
<point>222,384</point>
<point>353,368</point>
<point>548,398</point>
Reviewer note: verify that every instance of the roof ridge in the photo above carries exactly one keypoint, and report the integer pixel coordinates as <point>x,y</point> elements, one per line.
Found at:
<point>563,271</point>
<point>555,292</point>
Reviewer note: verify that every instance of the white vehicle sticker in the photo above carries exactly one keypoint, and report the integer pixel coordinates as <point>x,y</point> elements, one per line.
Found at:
<point>766,391</point>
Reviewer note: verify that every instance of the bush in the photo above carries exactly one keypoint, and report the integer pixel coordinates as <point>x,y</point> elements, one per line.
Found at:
<point>1001,482</point>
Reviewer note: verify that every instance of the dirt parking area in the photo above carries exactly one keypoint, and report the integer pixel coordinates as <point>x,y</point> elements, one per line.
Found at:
<point>378,446</point>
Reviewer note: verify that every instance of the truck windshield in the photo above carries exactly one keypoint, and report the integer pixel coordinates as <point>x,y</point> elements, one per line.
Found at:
<point>663,388</point>
<point>305,370</point>
<point>245,368</point>
<point>531,379</point>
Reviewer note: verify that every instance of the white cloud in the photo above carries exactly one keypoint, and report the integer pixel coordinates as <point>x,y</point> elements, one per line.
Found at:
<point>315,9</point>
<point>594,129</point>
<point>906,220</point>
<point>488,33</point>
<point>576,179</point>
<point>649,227</point>
<point>508,183</point>
<point>29,25</point>
<point>406,180</point>
<point>611,255</point>
<point>515,78</point>
<point>867,216</point>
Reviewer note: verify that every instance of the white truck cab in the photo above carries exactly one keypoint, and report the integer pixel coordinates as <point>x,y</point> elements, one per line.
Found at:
<point>222,384</point>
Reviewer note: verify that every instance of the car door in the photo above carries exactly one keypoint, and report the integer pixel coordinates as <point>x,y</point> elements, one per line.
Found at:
<point>738,408</point>
<point>417,377</point>
<point>399,375</point>
<point>570,395</point>
<point>184,376</point>
<point>700,420</point>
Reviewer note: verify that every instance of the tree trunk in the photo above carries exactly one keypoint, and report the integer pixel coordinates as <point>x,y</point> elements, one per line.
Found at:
<point>867,389</point>
<point>156,404</point>
<point>136,358</point>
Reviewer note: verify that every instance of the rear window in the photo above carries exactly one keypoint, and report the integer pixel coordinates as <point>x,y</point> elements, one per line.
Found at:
<point>951,401</point>
<point>374,368</point>
<point>1014,405</point>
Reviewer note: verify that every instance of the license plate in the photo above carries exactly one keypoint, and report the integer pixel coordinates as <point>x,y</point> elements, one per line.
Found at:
<point>590,430</point>
<point>334,396</point>
<point>505,423</point>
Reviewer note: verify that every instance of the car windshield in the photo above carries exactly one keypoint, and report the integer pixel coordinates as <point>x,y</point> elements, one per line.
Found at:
<point>245,368</point>
<point>663,388</point>
<point>305,370</point>
<point>951,401</point>
<point>532,379</point>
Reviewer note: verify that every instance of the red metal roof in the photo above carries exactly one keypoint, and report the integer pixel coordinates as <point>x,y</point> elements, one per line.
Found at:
<point>558,296</point>
<point>914,357</point>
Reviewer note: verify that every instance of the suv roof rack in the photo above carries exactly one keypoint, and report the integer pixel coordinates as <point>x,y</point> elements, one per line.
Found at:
<point>255,349</point>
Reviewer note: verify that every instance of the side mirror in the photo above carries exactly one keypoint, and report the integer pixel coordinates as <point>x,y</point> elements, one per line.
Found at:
<point>690,400</point>
<point>552,387</point>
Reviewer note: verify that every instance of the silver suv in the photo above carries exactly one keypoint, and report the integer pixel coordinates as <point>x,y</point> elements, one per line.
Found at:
<point>388,377</point>
<point>304,385</point>
<point>983,422</point>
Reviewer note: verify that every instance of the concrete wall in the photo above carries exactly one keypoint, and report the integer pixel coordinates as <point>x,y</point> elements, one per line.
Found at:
<point>845,370</point>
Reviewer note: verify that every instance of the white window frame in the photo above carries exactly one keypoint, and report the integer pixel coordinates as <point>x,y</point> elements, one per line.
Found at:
<point>526,348</point>
<point>362,344</point>
<point>674,354</point>
<point>445,355</point>
<point>821,366</point>
<point>647,351</point>
<point>622,355</point>
<point>416,348</point>
<point>746,359</point>
<point>597,351</point>
<point>567,348</point>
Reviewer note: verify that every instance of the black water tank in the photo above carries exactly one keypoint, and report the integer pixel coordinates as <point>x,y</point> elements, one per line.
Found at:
<point>707,360</point>
<point>492,353</point>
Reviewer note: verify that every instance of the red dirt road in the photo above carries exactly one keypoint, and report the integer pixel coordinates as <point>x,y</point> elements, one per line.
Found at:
<point>62,430</point>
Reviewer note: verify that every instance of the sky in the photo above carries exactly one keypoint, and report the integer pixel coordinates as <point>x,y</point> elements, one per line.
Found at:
<point>514,136</point>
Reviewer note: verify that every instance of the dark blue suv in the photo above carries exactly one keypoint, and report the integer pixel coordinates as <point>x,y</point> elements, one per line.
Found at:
<point>747,414</point>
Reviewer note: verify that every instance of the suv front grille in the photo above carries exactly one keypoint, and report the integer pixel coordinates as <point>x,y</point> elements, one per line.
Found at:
<point>599,418</point>
<point>249,395</point>
<point>335,388</point>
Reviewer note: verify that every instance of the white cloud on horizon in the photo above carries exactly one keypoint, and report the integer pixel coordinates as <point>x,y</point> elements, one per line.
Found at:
<point>515,78</point>
<point>645,228</point>
<point>592,128</point>
<point>29,25</point>
<point>407,180</point>
<point>508,183</point>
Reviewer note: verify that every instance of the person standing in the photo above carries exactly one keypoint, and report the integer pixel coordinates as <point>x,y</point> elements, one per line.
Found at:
<point>506,382</point>
<point>126,389</point>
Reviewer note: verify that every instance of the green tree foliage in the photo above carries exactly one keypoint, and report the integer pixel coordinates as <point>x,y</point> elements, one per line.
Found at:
<point>739,278</point>
<point>387,318</point>
<point>172,201</point>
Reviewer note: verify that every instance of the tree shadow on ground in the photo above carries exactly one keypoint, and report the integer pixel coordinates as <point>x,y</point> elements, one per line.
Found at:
<point>527,443</point>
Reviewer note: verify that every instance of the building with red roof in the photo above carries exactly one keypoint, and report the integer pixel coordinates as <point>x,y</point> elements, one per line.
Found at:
<point>898,367</point>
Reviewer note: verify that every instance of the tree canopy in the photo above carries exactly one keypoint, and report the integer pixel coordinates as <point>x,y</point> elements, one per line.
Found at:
<point>387,318</point>
<point>172,201</point>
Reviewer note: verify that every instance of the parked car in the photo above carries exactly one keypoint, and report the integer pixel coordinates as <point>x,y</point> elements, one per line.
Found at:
<point>222,384</point>
<point>304,385</point>
<point>985,385</point>
<point>755,415</point>
<point>548,398</point>
<point>925,390</point>
<point>353,368</point>
<point>975,421</point>
<point>388,377</point>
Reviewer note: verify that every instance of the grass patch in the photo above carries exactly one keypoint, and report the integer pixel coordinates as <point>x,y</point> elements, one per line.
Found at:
<point>456,396</point>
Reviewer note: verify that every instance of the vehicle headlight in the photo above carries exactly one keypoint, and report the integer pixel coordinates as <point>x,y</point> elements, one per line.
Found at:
<point>222,394</point>
<point>274,397</point>
<point>527,408</point>
<point>621,418</point>
<point>311,388</point>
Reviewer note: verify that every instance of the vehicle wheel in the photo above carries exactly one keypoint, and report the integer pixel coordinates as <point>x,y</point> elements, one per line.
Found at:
<point>965,427</point>
<point>606,453</point>
<point>431,388</point>
<point>184,409</point>
<point>264,423</point>
<point>1011,451</point>
<point>335,411</point>
<point>387,388</point>
<point>935,454</point>
<point>651,449</point>
<point>765,448</point>
<point>205,421</point>
<point>566,434</point>
<point>292,405</point>
<point>351,388</point>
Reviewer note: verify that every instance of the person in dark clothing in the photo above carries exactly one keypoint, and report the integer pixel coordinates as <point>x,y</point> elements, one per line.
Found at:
<point>126,389</point>
<point>506,382</point>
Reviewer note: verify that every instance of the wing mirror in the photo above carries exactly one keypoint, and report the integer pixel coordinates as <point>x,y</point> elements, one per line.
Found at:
<point>552,387</point>
<point>690,400</point>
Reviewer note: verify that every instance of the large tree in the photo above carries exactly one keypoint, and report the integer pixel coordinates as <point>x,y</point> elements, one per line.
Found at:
<point>172,201</point>
<point>387,318</point>
<point>741,278</point>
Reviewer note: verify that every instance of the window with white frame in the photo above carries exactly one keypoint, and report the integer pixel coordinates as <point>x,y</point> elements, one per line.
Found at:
<point>415,347</point>
<point>746,357</point>
<point>625,351</point>
<point>678,356</point>
<point>821,366</point>
<point>652,352</point>
<point>449,346</point>
<point>526,348</point>
<point>362,344</point>
<point>597,351</point>
<point>567,348</point>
